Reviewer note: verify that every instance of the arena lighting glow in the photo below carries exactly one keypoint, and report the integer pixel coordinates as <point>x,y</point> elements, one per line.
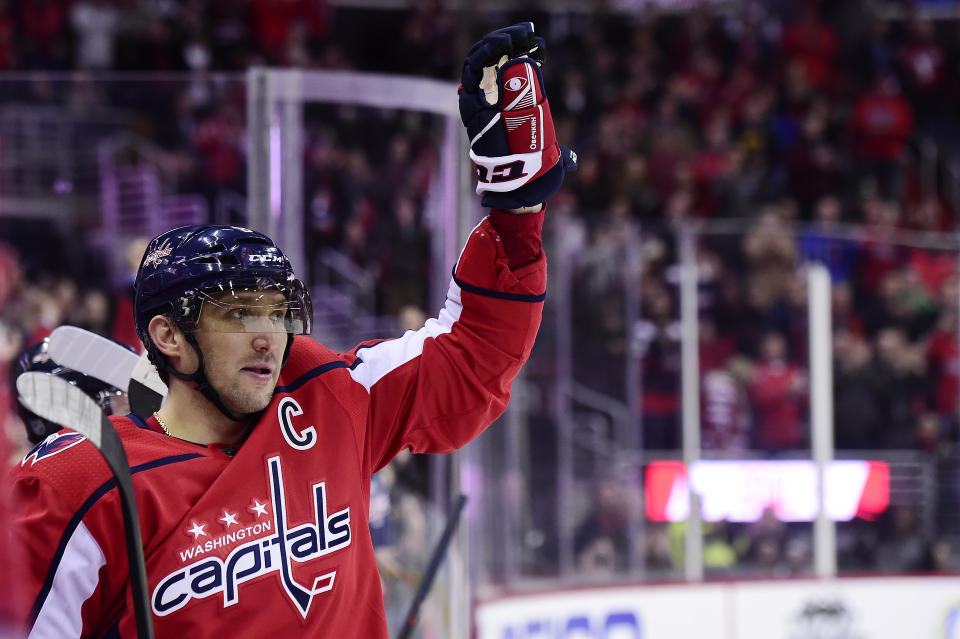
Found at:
<point>740,490</point>
<point>276,164</point>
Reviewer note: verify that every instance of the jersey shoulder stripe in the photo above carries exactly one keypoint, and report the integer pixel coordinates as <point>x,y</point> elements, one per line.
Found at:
<point>369,344</point>
<point>376,360</point>
<point>311,374</point>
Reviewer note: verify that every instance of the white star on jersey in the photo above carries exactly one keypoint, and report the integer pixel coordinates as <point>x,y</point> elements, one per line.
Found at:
<point>229,519</point>
<point>198,530</point>
<point>260,509</point>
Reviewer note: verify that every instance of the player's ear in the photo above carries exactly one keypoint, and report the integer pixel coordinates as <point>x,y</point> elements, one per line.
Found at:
<point>166,336</point>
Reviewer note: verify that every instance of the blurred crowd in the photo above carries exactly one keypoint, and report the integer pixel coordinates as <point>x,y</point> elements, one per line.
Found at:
<point>790,134</point>
<point>777,122</point>
<point>793,121</point>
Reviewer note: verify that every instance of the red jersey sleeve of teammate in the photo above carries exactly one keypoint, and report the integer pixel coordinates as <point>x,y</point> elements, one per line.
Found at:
<point>67,524</point>
<point>11,555</point>
<point>435,389</point>
<point>60,535</point>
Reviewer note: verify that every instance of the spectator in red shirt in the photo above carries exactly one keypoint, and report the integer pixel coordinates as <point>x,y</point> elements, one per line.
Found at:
<point>879,254</point>
<point>711,164</point>
<point>942,356</point>
<point>8,41</point>
<point>219,138</point>
<point>778,391</point>
<point>882,123</point>
<point>716,349</point>
<point>43,24</point>
<point>273,22</point>
<point>813,43</point>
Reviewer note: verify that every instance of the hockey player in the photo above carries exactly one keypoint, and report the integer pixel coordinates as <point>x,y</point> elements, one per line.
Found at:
<point>43,433</point>
<point>252,480</point>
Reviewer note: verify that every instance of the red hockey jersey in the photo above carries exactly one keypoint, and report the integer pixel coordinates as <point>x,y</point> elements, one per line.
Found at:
<point>272,539</point>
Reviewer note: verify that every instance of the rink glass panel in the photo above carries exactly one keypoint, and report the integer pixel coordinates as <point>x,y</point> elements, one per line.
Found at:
<point>584,479</point>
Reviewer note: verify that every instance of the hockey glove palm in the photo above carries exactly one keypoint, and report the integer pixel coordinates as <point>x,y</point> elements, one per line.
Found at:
<point>505,109</point>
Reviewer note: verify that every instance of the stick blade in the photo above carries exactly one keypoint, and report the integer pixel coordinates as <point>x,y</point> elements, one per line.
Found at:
<point>57,400</point>
<point>93,355</point>
<point>104,359</point>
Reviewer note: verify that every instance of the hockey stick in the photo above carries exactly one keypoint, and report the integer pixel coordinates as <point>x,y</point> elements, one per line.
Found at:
<point>104,359</point>
<point>413,614</point>
<point>61,402</point>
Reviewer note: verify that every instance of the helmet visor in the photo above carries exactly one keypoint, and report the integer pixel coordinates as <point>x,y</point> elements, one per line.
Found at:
<point>264,306</point>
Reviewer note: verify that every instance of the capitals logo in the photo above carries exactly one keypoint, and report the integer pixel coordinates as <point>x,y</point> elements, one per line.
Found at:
<point>158,253</point>
<point>262,556</point>
<point>56,443</point>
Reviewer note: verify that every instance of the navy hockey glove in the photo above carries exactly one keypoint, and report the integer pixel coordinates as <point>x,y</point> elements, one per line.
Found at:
<point>504,107</point>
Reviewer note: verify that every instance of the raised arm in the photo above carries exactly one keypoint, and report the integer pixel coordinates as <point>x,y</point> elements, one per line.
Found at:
<point>435,389</point>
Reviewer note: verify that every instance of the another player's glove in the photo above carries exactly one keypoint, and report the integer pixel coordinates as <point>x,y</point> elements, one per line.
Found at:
<point>504,107</point>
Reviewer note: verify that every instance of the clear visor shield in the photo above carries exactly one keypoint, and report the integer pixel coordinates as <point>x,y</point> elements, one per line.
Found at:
<point>268,307</point>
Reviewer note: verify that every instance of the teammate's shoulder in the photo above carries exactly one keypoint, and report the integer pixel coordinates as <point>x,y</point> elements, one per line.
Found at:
<point>68,448</point>
<point>65,463</point>
<point>54,445</point>
<point>59,477</point>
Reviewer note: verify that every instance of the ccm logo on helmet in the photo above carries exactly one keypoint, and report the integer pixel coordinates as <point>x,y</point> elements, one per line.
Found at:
<point>266,259</point>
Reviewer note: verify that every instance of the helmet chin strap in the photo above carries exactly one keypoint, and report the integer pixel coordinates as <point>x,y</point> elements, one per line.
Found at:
<point>200,378</point>
<point>200,375</point>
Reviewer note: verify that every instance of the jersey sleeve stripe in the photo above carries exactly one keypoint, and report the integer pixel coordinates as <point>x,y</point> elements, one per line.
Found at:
<point>513,297</point>
<point>371,345</point>
<point>379,359</point>
<point>75,580</point>
<point>77,520</point>
<point>306,377</point>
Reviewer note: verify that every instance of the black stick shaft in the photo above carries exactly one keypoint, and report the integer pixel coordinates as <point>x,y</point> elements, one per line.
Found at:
<point>423,589</point>
<point>144,401</point>
<point>116,458</point>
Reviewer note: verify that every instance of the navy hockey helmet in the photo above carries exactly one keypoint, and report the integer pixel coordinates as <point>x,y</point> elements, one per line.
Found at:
<point>183,268</point>
<point>35,359</point>
<point>186,268</point>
